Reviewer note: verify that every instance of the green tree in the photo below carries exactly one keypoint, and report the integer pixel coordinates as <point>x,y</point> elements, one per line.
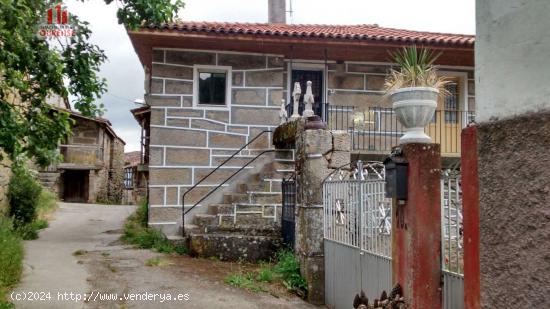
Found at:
<point>31,68</point>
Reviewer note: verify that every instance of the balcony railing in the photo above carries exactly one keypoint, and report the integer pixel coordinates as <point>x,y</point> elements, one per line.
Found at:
<point>81,155</point>
<point>377,130</point>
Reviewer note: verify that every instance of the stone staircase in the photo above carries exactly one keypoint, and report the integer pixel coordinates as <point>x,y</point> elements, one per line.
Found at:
<point>246,225</point>
<point>49,179</point>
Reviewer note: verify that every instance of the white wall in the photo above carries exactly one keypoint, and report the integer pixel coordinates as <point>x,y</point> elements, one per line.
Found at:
<point>512,58</point>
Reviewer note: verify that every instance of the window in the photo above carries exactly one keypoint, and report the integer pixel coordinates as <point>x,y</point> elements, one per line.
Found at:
<point>211,86</point>
<point>128,178</point>
<point>451,103</point>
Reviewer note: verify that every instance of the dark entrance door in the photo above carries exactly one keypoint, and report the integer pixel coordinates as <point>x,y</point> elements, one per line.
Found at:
<point>75,186</point>
<point>316,78</point>
<point>288,212</point>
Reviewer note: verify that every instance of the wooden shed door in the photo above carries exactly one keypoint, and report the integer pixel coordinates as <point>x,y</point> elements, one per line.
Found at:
<point>76,185</point>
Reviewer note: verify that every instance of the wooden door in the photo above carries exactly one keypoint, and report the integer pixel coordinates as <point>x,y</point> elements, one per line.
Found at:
<point>76,186</point>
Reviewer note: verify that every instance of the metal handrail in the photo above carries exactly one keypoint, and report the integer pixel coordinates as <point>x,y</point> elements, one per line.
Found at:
<point>184,212</point>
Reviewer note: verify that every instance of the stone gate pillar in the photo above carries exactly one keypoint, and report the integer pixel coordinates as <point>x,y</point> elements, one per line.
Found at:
<point>416,229</point>
<point>318,153</point>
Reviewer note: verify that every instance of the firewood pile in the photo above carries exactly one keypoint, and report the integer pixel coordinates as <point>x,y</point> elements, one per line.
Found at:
<point>394,301</point>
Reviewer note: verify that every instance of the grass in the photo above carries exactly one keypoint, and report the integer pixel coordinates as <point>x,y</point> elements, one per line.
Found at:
<point>244,281</point>
<point>286,272</point>
<point>157,261</point>
<point>137,233</point>
<point>288,268</point>
<point>11,256</point>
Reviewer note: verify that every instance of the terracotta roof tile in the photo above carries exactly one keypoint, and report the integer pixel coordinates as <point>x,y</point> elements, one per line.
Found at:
<point>345,32</point>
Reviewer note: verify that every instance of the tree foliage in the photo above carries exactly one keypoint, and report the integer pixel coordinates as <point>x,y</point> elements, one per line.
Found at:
<point>33,68</point>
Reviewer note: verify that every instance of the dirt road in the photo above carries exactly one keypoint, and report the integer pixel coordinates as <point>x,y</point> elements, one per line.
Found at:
<point>80,254</point>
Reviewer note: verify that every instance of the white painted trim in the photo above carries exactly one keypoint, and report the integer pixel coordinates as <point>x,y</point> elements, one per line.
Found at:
<point>228,87</point>
<point>463,77</point>
<point>200,130</point>
<point>258,70</point>
<point>172,64</point>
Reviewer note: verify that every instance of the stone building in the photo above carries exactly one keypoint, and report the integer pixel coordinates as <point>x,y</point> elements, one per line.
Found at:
<point>211,88</point>
<point>92,167</point>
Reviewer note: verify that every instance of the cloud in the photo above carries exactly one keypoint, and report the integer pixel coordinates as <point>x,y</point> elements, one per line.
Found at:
<point>125,74</point>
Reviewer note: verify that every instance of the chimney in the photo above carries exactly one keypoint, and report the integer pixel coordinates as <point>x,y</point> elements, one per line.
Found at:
<point>277,11</point>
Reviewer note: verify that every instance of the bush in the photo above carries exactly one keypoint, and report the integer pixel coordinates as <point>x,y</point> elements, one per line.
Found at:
<point>288,267</point>
<point>137,233</point>
<point>11,256</point>
<point>23,196</point>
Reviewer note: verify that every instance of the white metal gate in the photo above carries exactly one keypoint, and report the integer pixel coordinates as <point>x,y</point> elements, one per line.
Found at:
<point>357,236</point>
<point>357,239</point>
<point>451,241</point>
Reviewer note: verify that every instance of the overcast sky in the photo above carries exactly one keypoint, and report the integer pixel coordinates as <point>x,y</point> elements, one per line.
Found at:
<point>125,75</point>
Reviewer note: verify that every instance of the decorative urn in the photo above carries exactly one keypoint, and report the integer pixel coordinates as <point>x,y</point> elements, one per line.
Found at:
<point>415,108</point>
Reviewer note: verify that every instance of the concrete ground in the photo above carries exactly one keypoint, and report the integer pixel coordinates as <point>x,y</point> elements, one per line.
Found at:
<point>112,275</point>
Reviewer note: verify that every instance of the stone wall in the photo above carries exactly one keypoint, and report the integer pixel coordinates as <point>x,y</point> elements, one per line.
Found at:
<point>514,213</point>
<point>106,184</point>
<point>187,142</point>
<point>318,153</point>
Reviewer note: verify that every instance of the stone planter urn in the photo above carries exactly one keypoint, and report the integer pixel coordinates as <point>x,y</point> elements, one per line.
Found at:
<point>415,108</point>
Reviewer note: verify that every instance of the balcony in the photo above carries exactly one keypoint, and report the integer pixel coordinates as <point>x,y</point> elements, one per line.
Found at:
<point>376,130</point>
<point>81,156</point>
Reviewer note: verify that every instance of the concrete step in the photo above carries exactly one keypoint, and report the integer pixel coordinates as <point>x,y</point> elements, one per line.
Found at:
<point>202,220</point>
<point>284,154</point>
<point>253,197</point>
<point>229,209</point>
<point>265,186</point>
<point>234,247</point>
<point>235,161</point>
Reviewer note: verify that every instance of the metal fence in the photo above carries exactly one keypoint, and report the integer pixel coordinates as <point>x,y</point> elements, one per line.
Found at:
<point>452,240</point>
<point>357,236</point>
<point>357,239</point>
<point>377,130</point>
<point>288,224</point>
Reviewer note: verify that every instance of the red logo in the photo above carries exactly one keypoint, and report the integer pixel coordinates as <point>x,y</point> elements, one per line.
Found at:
<point>61,15</point>
<point>57,23</point>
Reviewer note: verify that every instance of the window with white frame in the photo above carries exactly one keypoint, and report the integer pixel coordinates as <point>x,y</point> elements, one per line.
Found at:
<point>212,86</point>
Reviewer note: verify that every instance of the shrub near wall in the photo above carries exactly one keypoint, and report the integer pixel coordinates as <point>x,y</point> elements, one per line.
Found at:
<point>23,197</point>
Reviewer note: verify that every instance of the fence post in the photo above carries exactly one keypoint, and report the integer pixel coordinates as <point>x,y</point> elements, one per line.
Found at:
<point>470,209</point>
<point>416,229</point>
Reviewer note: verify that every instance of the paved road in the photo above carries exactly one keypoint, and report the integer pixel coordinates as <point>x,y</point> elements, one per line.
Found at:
<point>109,268</point>
<point>49,264</point>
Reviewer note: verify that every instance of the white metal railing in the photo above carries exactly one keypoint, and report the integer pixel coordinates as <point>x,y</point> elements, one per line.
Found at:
<point>451,223</point>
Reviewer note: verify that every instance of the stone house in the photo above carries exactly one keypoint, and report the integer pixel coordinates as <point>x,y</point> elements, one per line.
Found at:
<point>211,88</point>
<point>92,167</point>
<point>135,178</point>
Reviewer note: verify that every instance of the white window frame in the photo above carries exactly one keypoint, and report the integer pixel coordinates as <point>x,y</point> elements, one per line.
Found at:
<point>214,69</point>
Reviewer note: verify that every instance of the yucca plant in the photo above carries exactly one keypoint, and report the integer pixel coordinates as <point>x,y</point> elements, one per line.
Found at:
<point>416,69</point>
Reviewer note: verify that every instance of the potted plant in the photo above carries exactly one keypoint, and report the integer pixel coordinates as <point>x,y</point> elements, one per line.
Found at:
<point>413,89</point>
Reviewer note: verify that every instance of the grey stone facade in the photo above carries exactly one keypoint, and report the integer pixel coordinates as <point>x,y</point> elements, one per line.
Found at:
<point>188,140</point>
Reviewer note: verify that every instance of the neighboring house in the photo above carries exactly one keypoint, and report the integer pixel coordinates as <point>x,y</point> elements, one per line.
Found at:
<point>213,87</point>
<point>92,167</point>
<point>135,178</point>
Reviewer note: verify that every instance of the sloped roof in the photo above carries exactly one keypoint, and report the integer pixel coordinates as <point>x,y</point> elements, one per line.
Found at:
<point>343,32</point>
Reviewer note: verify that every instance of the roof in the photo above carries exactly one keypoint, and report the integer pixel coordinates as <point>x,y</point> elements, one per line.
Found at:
<point>140,112</point>
<point>132,158</point>
<point>102,121</point>
<point>344,32</point>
